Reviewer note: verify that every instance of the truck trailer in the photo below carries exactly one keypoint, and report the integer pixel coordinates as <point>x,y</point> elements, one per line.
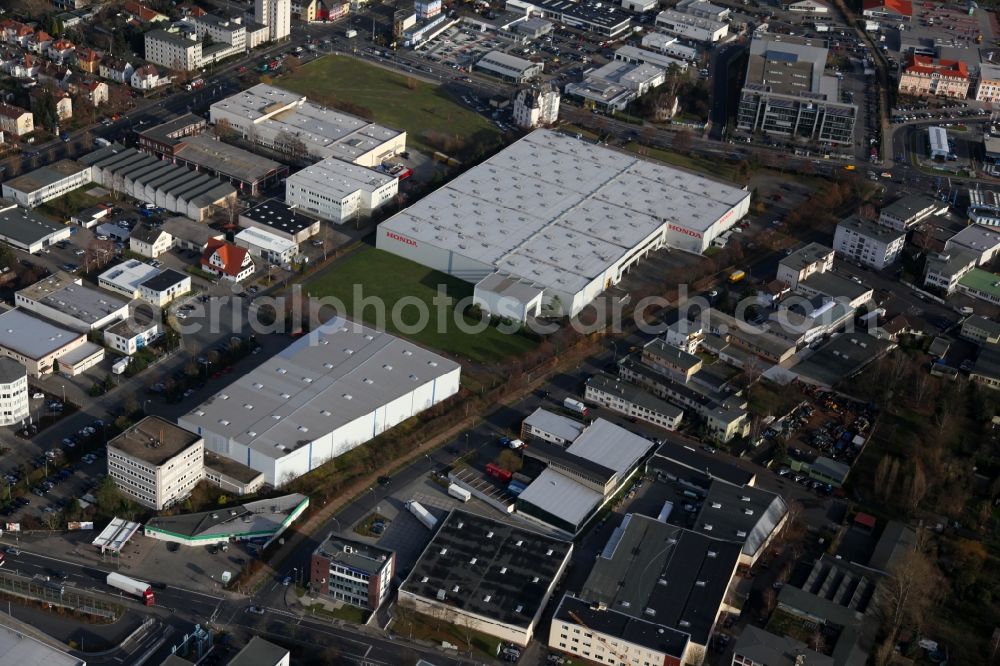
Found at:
<point>132,586</point>
<point>422,514</point>
<point>576,406</point>
<point>459,492</point>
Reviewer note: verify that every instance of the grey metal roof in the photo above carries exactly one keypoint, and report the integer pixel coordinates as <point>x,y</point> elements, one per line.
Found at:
<point>560,496</point>
<point>26,227</point>
<point>62,293</point>
<point>677,453</point>
<point>659,349</point>
<point>909,206</point>
<point>356,555</point>
<point>559,425</point>
<point>323,380</point>
<point>46,175</point>
<point>21,649</point>
<point>745,515</point>
<point>259,652</point>
<point>187,229</point>
<point>11,370</point>
<point>31,336</point>
<point>501,571</point>
<point>763,647</point>
<point>261,516</point>
<point>611,445</point>
<point>666,574</point>
<point>213,154</point>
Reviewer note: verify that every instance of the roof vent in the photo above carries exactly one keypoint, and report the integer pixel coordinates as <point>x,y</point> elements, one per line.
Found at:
<point>424,579</point>
<point>716,505</point>
<point>740,533</point>
<point>455,589</point>
<point>489,535</point>
<point>472,561</point>
<point>707,528</point>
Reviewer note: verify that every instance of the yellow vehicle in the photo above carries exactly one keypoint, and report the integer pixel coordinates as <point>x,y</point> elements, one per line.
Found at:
<point>737,276</point>
<point>849,167</point>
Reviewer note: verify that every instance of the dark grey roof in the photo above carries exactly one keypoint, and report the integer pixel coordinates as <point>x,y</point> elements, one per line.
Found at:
<point>26,227</point>
<point>908,206</point>
<point>841,357</point>
<point>897,539</point>
<point>164,280</point>
<point>988,362</point>
<point>667,574</point>
<point>10,370</point>
<point>170,132</point>
<point>835,286</point>
<point>146,234</point>
<point>675,453</point>
<point>746,515</point>
<point>806,256</point>
<point>279,215</point>
<point>552,453</point>
<point>154,440</point>
<point>670,354</point>
<point>358,556</point>
<point>611,622</point>
<point>510,566</point>
<point>259,652</point>
<point>763,647</point>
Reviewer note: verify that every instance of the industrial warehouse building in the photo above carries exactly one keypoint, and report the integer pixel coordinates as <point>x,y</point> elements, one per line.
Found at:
<point>280,219</point>
<point>47,183</point>
<point>339,191</point>
<point>487,575</point>
<point>325,394</point>
<point>39,344</point>
<point>27,230</point>
<point>564,216</point>
<point>159,182</point>
<point>64,299</point>
<point>268,116</point>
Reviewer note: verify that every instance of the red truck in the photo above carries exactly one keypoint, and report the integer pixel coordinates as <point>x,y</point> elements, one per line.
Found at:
<point>498,472</point>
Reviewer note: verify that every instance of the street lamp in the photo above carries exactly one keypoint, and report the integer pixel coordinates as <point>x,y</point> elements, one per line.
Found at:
<point>64,393</point>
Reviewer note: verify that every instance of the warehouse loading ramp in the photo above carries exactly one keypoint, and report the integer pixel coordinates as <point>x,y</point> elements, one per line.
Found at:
<point>483,489</point>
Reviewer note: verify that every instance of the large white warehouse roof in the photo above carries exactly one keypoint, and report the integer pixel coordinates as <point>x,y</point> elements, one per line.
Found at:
<point>559,211</point>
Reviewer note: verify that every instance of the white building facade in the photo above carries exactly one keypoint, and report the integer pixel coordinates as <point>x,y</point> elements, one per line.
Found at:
<point>276,15</point>
<point>534,107</point>
<point>13,392</point>
<point>868,243</point>
<point>155,462</point>
<point>339,191</point>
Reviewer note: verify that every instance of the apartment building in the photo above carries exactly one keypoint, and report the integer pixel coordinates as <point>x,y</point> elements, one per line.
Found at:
<point>13,392</point>
<point>868,243</point>
<point>155,462</point>
<point>804,262</point>
<point>174,50</point>
<point>988,88</point>
<point>632,401</point>
<point>943,271</point>
<point>353,572</point>
<point>16,120</point>
<point>928,77</point>
<point>536,106</point>
<point>276,15</point>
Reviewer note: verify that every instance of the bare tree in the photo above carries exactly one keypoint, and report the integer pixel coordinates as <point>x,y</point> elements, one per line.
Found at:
<point>683,141</point>
<point>905,594</point>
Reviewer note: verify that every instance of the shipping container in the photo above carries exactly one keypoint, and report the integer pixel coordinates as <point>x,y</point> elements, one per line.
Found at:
<point>459,492</point>
<point>498,472</point>
<point>422,514</point>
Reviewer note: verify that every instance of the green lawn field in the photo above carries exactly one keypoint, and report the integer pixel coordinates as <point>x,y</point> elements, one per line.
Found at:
<point>390,278</point>
<point>396,100</point>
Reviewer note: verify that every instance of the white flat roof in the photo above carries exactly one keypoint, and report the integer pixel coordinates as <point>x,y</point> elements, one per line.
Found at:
<point>129,274</point>
<point>322,381</point>
<point>266,240</point>
<point>560,496</point>
<point>340,179</point>
<point>559,211</point>
<point>610,445</point>
<point>31,336</point>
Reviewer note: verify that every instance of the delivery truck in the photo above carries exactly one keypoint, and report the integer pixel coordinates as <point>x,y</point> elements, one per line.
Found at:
<point>459,492</point>
<point>422,514</point>
<point>132,586</point>
<point>575,406</point>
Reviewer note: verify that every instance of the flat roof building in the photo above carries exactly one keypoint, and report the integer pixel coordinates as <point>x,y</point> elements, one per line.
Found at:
<point>19,647</point>
<point>64,299</point>
<point>756,646</point>
<point>589,15</point>
<point>356,573</point>
<point>270,247</point>
<point>267,115</point>
<point>509,67</point>
<point>27,230</point>
<point>46,183</point>
<point>260,522</point>
<point>904,213</point>
<point>787,93</point>
<point>868,243</point>
<point>489,575</point>
<point>326,393</point>
<point>677,459</point>
<point>749,516</point>
<point>335,190</point>
<point>155,462</point>
<point>691,27</point>
<point>246,171</point>
<point>259,652</point>
<point>38,343</point>
<point>632,401</point>
<point>232,476</point>
<point>565,215</point>
<point>126,277</point>
<point>14,406</point>
<point>982,241</point>
<point>280,219</point>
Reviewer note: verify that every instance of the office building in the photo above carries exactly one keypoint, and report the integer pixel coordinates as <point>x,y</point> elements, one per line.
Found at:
<point>126,277</point>
<point>266,246</point>
<point>703,9</point>
<point>927,77</point>
<point>14,407</point>
<point>868,243</point>
<point>63,299</point>
<point>356,573</point>
<point>276,15</point>
<point>551,427</point>
<point>232,476</point>
<point>39,345</point>
<point>691,27</point>
<point>509,67</point>
<point>260,522</point>
<point>487,575</point>
<point>981,284</point>
<point>804,262</point>
<point>614,85</point>
<point>609,21</point>
<point>567,216</point>
<point>981,330</point>
<point>788,94</point>
<point>632,401</point>
<point>669,45</point>
<point>536,106</point>
<point>984,242</point>
<point>47,183</point>
<point>906,212</point>
<point>944,270</point>
<point>329,391</point>
<point>133,333</point>
<point>155,462</point>
<point>988,87</point>
<point>27,230</point>
<point>268,116</point>
<point>338,191</point>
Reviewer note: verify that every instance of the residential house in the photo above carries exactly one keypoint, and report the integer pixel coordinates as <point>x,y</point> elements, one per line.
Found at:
<point>25,67</point>
<point>148,77</point>
<point>140,13</point>
<point>227,261</point>
<point>60,50</point>
<point>63,102</point>
<point>88,60</point>
<point>150,241</point>
<point>806,261</point>
<point>94,91</point>
<point>16,120</point>
<point>117,70</point>
<point>53,74</point>
<point>39,42</point>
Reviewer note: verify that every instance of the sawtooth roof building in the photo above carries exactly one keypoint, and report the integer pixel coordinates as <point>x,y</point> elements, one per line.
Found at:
<point>326,393</point>
<point>565,216</point>
<point>489,575</point>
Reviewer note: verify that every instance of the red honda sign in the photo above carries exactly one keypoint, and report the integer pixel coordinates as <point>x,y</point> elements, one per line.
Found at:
<point>402,239</point>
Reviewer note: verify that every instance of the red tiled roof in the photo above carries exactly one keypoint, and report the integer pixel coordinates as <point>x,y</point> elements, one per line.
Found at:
<point>231,255</point>
<point>902,7</point>
<point>11,111</point>
<point>87,55</point>
<point>140,11</point>
<point>927,65</point>
<point>865,520</point>
<point>147,70</point>
<point>42,36</point>
<point>63,45</point>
